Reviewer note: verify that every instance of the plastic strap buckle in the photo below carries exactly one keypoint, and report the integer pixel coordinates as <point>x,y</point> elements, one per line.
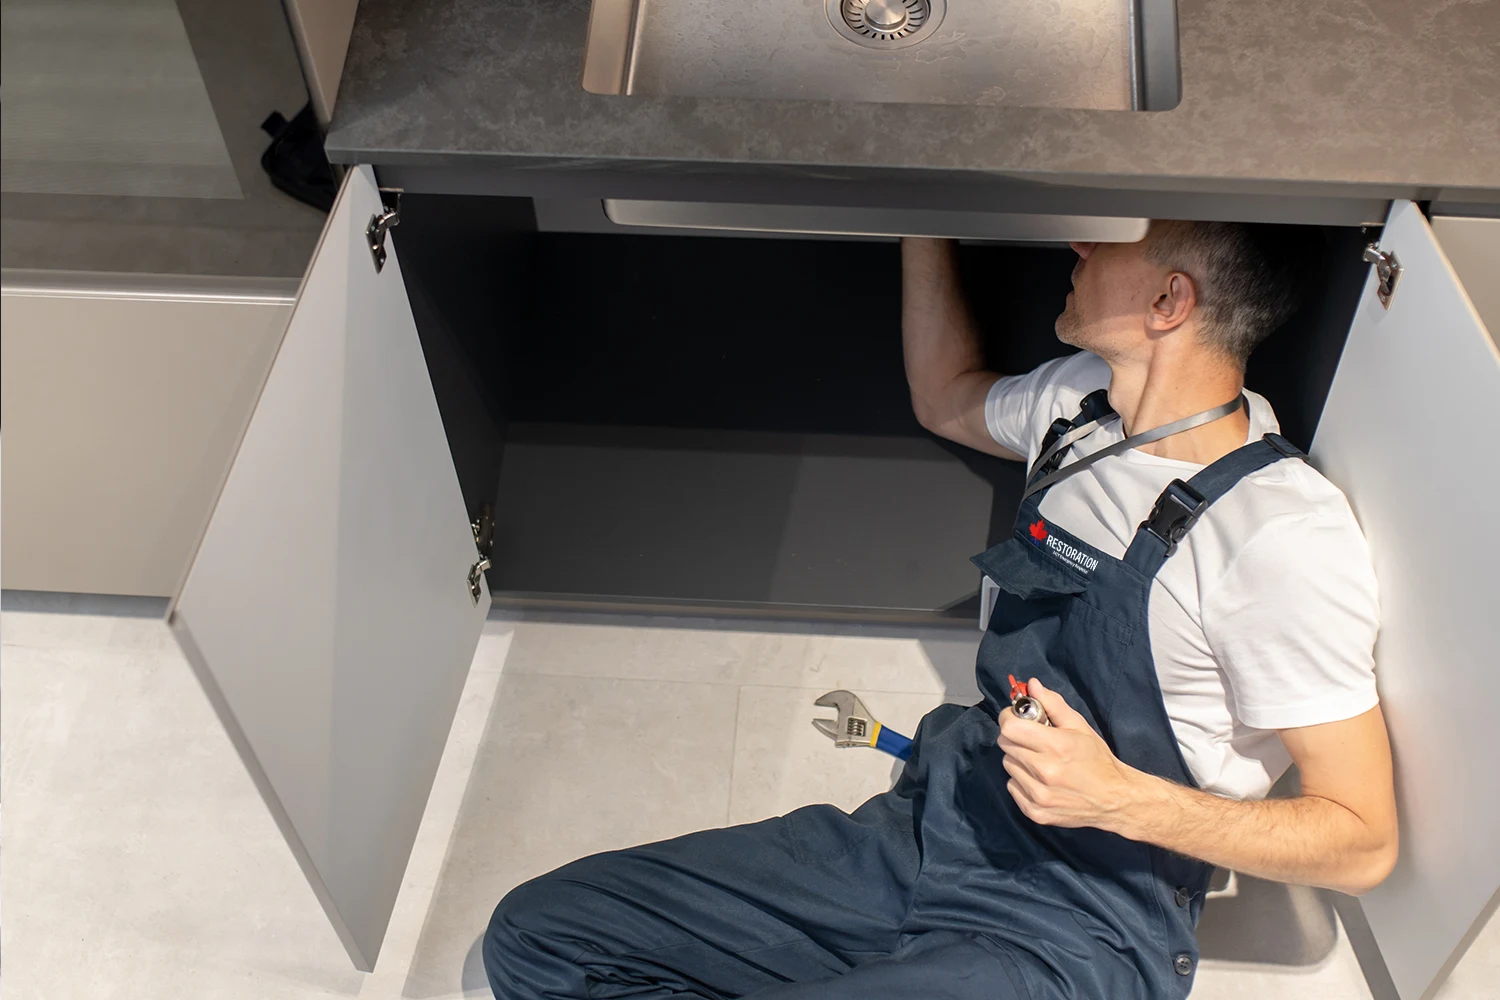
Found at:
<point>1283,447</point>
<point>1094,406</point>
<point>1177,509</point>
<point>1059,427</point>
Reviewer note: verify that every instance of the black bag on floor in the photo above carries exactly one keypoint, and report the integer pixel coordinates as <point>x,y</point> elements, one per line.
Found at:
<point>295,159</point>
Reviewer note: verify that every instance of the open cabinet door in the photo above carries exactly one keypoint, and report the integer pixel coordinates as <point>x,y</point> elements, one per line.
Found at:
<point>328,611</point>
<point>1408,433</point>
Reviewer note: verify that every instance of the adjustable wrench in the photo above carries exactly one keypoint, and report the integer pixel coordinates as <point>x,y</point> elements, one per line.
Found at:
<point>856,727</point>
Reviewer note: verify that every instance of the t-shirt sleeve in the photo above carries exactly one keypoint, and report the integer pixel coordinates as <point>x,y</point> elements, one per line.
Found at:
<point>1020,408</point>
<point>1293,624</point>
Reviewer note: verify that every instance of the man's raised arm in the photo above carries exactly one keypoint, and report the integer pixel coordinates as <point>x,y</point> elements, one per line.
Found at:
<point>944,358</point>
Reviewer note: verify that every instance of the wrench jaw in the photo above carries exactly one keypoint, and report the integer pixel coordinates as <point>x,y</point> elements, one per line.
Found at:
<point>856,727</point>
<point>853,725</point>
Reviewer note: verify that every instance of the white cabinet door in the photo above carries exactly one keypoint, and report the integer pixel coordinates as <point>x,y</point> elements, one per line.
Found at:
<point>1408,433</point>
<point>328,611</point>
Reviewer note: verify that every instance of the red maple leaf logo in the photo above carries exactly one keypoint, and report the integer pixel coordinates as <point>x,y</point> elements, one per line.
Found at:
<point>1039,531</point>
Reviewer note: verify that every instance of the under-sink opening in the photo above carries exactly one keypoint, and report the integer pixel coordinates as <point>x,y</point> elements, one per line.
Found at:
<point>1116,55</point>
<point>717,425</point>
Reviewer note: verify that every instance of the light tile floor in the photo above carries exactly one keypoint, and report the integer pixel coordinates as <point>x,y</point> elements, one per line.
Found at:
<point>139,862</point>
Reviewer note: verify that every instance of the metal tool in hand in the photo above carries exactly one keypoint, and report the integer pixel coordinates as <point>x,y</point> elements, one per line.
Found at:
<point>856,727</point>
<point>1024,705</point>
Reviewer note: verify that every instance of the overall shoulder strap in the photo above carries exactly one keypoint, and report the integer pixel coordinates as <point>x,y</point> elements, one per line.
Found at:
<point>1093,411</point>
<point>1181,504</point>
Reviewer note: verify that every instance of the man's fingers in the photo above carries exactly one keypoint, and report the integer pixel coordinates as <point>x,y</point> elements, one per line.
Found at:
<point>1021,761</point>
<point>1018,792</point>
<point>1018,732</point>
<point>1025,795</point>
<point>1059,711</point>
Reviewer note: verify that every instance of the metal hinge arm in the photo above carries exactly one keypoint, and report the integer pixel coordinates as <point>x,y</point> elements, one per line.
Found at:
<point>483,527</point>
<point>389,217</point>
<point>1387,272</point>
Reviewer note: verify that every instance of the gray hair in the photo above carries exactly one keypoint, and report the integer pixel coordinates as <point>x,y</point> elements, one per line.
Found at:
<point>1250,278</point>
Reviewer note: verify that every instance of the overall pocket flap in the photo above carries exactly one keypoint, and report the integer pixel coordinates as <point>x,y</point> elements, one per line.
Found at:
<point>1025,570</point>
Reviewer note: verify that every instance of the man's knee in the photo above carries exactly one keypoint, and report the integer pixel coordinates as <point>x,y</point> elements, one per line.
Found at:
<point>529,944</point>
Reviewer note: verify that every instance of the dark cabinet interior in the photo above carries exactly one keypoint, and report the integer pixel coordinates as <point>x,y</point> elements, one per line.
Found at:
<point>717,424</point>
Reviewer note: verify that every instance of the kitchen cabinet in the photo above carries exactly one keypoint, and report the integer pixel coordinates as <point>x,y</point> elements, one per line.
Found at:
<point>462,403</point>
<point>123,399</point>
<point>322,32</point>
<point>1472,246</point>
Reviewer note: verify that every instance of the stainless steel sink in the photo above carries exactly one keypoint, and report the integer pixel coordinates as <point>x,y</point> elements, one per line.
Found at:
<point>1100,54</point>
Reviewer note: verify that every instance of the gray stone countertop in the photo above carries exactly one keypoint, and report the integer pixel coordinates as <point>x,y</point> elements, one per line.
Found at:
<point>1373,98</point>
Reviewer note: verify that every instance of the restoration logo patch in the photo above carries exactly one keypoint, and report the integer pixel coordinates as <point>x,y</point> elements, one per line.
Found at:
<point>1042,538</point>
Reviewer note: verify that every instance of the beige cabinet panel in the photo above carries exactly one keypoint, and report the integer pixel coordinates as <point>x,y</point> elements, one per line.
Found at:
<point>322,29</point>
<point>1472,247</point>
<point>123,400</point>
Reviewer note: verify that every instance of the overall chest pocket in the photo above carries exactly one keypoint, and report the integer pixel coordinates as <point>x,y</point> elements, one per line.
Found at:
<point>1077,612</point>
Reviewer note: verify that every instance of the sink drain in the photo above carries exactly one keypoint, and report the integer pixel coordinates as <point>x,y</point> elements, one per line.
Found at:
<point>885,24</point>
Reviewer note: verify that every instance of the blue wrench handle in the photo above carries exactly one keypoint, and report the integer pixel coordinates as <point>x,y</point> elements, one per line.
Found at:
<point>893,743</point>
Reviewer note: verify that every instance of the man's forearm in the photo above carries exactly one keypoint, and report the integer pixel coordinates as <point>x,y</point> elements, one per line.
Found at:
<point>937,332</point>
<point>944,357</point>
<point>1307,840</point>
<point>1340,833</point>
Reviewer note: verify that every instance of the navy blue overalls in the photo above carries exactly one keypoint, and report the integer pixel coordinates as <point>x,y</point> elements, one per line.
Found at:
<point>941,887</point>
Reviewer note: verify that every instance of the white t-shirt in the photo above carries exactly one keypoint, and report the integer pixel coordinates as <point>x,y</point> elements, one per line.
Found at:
<point>1264,618</point>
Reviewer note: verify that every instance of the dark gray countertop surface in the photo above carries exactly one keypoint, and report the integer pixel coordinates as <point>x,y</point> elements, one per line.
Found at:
<point>1337,98</point>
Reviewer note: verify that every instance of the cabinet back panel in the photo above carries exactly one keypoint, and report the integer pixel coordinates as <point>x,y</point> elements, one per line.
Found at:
<point>739,519</point>
<point>1294,367</point>
<point>777,335</point>
<point>470,261</point>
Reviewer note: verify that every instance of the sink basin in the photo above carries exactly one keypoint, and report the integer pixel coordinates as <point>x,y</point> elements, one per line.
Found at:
<point>1099,54</point>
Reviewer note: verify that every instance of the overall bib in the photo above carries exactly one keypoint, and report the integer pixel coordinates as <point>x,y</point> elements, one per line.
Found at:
<point>941,887</point>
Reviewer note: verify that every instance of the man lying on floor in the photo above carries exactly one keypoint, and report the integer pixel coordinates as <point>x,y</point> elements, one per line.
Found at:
<point>1194,608</point>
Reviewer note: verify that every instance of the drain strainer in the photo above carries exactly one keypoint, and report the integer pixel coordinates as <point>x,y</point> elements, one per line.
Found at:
<point>885,24</point>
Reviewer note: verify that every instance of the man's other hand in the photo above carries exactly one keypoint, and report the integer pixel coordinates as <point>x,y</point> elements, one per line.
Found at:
<point>1063,774</point>
<point>1339,833</point>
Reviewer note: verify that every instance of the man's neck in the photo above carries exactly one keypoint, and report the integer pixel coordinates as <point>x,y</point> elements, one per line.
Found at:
<point>1160,390</point>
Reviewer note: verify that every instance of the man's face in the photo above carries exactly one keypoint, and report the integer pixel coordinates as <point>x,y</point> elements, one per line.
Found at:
<point>1113,288</point>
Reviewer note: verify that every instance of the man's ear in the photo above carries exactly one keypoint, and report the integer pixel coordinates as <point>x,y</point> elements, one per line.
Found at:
<point>1174,302</point>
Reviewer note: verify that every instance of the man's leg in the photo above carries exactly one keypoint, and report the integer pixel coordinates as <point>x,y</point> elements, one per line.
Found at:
<point>719,914</point>
<point>935,965</point>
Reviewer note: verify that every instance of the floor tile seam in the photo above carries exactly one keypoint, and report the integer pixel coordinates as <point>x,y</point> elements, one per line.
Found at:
<point>718,683</point>
<point>617,677</point>
<point>734,746</point>
<point>861,692</point>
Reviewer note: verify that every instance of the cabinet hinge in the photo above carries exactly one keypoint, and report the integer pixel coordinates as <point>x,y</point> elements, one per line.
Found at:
<point>1387,272</point>
<point>390,215</point>
<point>483,527</point>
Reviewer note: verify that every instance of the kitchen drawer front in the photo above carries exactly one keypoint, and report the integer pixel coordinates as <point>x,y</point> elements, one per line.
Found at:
<point>623,215</point>
<point>123,400</point>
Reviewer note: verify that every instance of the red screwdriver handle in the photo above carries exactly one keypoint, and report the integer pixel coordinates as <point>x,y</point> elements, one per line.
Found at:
<point>1024,705</point>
